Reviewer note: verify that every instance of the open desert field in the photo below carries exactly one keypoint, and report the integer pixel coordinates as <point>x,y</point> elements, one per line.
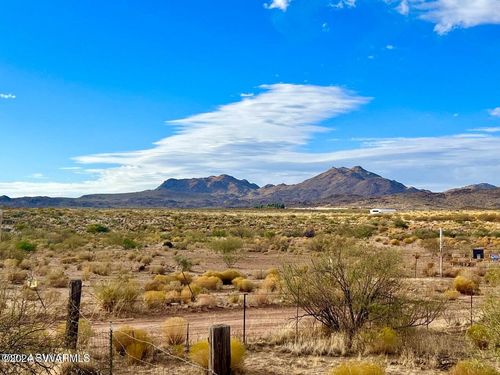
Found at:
<point>163,277</point>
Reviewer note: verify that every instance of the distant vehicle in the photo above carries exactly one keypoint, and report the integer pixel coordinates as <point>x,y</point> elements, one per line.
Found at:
<point>381,211</point>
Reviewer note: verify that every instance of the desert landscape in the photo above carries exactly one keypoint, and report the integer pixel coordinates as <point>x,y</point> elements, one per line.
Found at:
<point>159,278</point>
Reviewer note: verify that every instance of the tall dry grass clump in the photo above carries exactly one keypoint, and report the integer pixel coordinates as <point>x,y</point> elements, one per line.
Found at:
<point>132,343</point>
<point>466,284</point>
<point>174,330</point>
<point>116,295</point>
<point>473,367</point>
<point>154,299</point>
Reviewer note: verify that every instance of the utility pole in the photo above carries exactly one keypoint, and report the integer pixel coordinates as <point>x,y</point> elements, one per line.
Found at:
<point>440,252</point>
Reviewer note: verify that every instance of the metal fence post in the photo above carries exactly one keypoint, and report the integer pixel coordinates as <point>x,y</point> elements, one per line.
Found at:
<point>187,338</point>
<point>245,318</point>
<point>110,348</point>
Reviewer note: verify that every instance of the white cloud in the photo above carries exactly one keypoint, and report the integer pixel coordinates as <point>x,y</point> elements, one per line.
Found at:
<point>403,7</point>
<point>265,139</point>
<point>343,4</point>
<point>495,112</point>
<point>278,4</point>
<point>389,47</point>
<point>450,14</point>
<point>7,96</point>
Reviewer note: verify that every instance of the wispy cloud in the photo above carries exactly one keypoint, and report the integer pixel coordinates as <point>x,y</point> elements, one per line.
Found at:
<point>450,14</point>
<point>264,138</point>
<point>7,96</point>
<point>278,4</point>
<point>495,129</point>
<point>495,112</point>
<point>343,4</point>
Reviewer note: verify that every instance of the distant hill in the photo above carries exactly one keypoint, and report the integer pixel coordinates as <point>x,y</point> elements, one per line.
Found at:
<point>335,187</point>
<point>354,181</point>
<point>222,184</point>
<point>475,187</point>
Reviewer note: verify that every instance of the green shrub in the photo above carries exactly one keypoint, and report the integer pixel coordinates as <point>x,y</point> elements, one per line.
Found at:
<point>479,335</point>
<point>97,228</point>
<point>25,246</point>
<point>492,276</point>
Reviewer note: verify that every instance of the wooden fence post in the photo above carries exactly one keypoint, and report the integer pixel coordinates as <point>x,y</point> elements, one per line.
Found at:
<point>220,349</point>
<point>75,295</point>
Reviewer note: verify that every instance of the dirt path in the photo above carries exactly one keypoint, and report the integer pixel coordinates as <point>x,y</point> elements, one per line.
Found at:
<point>259,321</point>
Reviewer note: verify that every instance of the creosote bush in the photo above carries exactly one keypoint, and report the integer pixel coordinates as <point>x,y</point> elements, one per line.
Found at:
<point>358,368</point>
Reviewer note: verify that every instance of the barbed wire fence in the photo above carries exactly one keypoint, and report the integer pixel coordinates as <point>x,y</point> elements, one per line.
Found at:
<point>109,357</point>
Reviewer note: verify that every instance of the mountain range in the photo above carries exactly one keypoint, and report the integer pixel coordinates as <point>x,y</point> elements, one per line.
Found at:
<point>346,187</point>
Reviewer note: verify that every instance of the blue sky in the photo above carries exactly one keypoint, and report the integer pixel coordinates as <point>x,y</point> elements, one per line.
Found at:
<point>119,96</point>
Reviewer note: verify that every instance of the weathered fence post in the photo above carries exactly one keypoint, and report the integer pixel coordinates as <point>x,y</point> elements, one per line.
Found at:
<point>110,348</point>
<point>187,338</point>
<point>245,318</point>
<point>75,295</point>
<point>220,349</point>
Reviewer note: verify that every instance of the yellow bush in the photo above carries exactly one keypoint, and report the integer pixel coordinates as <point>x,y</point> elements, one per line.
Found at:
<point>473,367</point>
<point>451,294</point>
<point>172,296</point>
<point>84,332</point>
<point>154,299</point>
<point>199,353</point>
<point>386,341</point>
<point>227,276</point>
<point>466,285</point>
<point>184,278</point>
<point>174,330</point>
<point>358,368</point>
<point>243,285</point>
<point>208,282</point>
<point>271,283</point>
<point>186,292</point>
<point>133,343</point>
<point>153,285</point>
<point>164,279</point>
<point>238,353</point>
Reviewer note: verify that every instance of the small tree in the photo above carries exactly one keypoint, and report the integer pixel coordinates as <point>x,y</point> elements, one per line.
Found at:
<point>185,264</point>
<point>351,286</point>
<point>24,329</point>
<point>229,248</point>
